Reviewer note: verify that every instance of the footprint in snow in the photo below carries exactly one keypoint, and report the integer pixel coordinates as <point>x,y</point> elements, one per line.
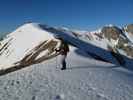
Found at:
<point>60,97</point>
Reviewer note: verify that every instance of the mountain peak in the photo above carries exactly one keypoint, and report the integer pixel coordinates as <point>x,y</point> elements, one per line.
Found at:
<point>27,43</point>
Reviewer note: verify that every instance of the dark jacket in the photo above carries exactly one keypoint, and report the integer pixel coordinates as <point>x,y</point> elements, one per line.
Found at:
<point>64,48</point>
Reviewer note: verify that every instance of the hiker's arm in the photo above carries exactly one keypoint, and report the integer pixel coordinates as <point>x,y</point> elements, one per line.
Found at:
<point>57,49</point>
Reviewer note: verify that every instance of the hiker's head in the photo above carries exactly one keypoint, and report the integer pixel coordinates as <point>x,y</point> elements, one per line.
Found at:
<point>59,38</point>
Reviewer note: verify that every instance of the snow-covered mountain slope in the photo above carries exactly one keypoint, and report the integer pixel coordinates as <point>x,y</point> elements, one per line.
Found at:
<point>84,79</point>
<point>33,43</point>
<point>114,40</point>
<point>108,44</point>
<point>26,44</point>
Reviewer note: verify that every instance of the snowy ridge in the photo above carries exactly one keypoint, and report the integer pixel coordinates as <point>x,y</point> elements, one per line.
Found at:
<point>33,43</point>
<point>21,42</point>
<point>84,79</point>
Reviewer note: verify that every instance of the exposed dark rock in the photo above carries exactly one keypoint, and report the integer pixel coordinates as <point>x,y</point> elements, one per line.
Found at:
<point>111,32</point>
<point>129,28</point>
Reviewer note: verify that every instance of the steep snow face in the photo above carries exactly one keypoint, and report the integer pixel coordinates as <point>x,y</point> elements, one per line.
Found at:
<point>96,39</point>
<point>18,44</point>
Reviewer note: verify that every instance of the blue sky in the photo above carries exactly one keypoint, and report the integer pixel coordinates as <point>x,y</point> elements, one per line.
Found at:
<point>78,14</point>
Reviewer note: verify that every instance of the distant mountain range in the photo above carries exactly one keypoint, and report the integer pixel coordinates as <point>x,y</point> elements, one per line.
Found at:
<point>33,43</point>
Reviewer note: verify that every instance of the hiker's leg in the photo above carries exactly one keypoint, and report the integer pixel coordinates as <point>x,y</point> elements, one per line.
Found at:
<point>60,65</point>
<point>63,62</point>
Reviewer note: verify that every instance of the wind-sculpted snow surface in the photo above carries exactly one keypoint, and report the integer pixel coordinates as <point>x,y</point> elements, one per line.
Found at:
<point>84,79</point>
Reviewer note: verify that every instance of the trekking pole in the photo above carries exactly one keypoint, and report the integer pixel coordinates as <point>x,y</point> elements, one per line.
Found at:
<point>56,61</point>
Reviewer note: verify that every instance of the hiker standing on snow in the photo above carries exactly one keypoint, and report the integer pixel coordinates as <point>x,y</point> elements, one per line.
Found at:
<point>64,49</point>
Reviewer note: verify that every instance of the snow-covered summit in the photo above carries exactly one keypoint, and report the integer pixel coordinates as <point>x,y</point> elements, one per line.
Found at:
<point>21,42</point>
<point>33,43</point>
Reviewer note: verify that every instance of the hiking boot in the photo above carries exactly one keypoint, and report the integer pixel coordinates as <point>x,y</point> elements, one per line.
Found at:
<point>63,68</point>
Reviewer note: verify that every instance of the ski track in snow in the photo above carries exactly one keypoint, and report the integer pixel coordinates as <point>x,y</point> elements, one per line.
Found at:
<point>84,79</point>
